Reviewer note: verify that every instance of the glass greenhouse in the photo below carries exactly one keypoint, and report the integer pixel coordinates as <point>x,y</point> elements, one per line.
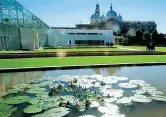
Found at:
<point>13,13</point>
<point>14,17</point>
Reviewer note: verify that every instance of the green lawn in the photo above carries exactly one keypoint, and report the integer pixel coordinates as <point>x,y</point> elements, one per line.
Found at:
<point>38,62</point>
<point>67,50</point>
<point>163,49</point>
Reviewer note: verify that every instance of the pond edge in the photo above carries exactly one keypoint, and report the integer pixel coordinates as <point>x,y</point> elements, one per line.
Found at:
<point>45,68</point>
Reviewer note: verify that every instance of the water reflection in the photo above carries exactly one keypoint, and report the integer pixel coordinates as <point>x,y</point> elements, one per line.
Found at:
<point>106,71</point>
<point>7,80</point>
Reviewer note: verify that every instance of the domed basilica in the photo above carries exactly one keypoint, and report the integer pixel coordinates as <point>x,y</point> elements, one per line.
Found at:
<point>115,22</point>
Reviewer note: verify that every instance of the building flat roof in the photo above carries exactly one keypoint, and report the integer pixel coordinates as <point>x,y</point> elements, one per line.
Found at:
<point>63,27</point>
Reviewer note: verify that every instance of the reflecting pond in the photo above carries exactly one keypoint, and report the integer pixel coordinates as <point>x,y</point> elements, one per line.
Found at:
<point>111,92</point>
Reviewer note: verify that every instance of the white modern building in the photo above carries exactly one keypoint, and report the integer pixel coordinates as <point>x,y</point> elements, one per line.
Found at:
<point>79,37</point>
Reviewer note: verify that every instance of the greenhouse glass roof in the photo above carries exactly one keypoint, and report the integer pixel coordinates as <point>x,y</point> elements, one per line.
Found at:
<point>13,13</point>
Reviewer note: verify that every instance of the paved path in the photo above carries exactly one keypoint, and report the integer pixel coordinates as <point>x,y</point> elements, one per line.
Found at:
<point>129,49</point>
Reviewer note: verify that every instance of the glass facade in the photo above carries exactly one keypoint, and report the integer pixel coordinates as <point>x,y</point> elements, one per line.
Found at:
<point>15,14</point>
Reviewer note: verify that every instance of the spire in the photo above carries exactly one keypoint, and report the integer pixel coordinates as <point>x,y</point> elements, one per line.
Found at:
<point>97,10</point>
<point>111,7</point>
<point>97,5</point>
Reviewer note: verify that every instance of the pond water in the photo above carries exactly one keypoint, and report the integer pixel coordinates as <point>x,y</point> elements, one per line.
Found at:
<point>151,103</point>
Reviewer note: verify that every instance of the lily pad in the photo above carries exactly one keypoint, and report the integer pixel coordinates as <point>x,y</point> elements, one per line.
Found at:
<point>94,104</point>
<point>124,100</point>
<point>32,109</point>
<point>104,109</point>
<point>46,83</point>
<point>34,101</point>
<point>42,94</point>
<point>137,82</point>
<point>14,91</point>
<point>47,105</point>
<point>155,92</point>
<point>8,112</point>
<point>110,100</point>
<point>114,115</point>
<point>127,85</point>
<point>109,80</point>
<point>109,109</point>
<point>141,98</point>
<point>16,100</point>
<point>36,90</point>
<point>113,107</point>
<point>4,107</point>
<point>121,78</point>
<point>55,112</point>
<point>2,94</point>
<point>112,92</point>
<point>149,88</point>
<point>20,86</point>
<point>139,91</point>
<point>159,98</point>
<point>87,116</point>
<point>33,86</point>
<point>106,93</point>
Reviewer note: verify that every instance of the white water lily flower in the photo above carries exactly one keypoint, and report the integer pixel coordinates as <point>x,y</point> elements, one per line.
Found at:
<point>127,85</point>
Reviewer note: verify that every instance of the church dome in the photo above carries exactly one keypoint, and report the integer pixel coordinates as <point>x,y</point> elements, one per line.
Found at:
<point>111,13</point>
<point>95,16</point>
<point>120,17</point>
<point>103,17</point>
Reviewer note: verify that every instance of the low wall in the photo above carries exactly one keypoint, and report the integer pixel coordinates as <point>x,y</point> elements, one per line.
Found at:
<point>75,54</point>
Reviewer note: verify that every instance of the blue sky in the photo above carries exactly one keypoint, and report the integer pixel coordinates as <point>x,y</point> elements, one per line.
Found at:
<point>71,12</point>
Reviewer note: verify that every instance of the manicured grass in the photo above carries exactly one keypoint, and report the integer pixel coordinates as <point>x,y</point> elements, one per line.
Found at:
<point>38,62</point>
<point>163,49</point>
<point>68,50</point>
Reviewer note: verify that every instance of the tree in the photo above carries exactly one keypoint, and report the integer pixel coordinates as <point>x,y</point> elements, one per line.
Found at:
<point>101,25</point>
<point>139,37</point>
<point>131,33</point>
<point>155,37</point>
<point>147,37</point>
<point>161,39</point>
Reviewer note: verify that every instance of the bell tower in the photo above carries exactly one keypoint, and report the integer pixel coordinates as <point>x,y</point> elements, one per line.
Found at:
<point>97,10</point>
